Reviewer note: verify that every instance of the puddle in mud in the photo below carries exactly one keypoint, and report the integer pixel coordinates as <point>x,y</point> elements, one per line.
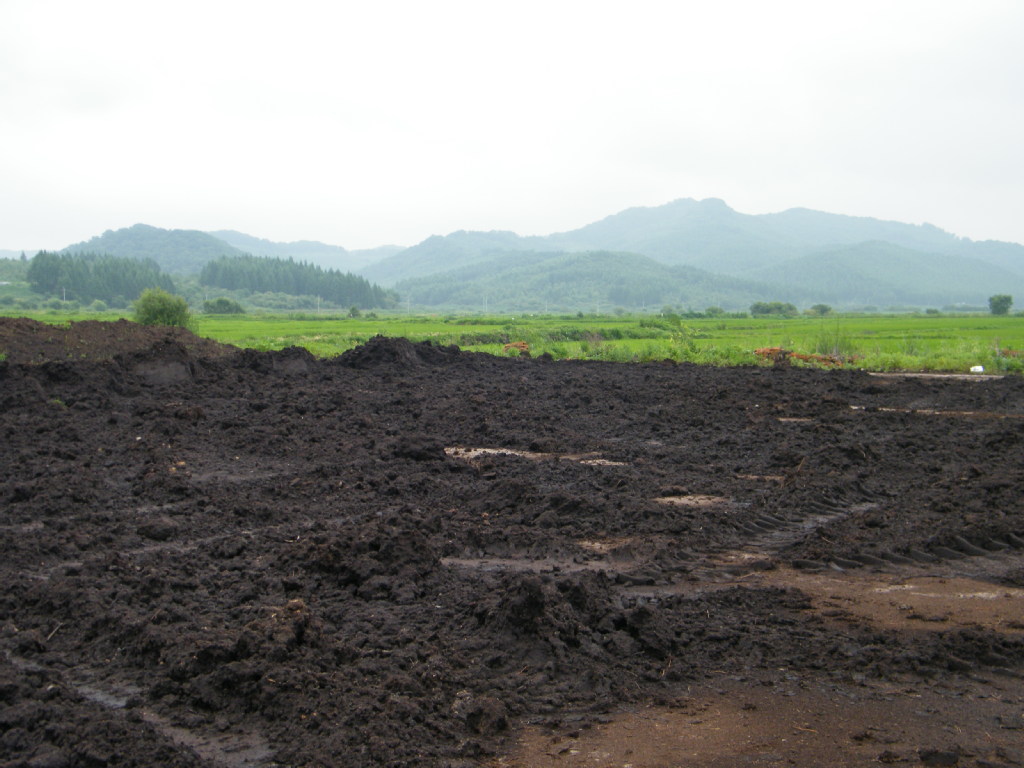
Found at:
<point>591,459</point>
<point>934,412</point>
<point>229,750</point>
<point>695,500</point>
<point>605,546</point>
<point>947,376</point>
<point>544,565</point>
<point>236,749</point>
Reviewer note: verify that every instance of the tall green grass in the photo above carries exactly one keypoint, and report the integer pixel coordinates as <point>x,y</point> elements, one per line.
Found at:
<point>873,342</point>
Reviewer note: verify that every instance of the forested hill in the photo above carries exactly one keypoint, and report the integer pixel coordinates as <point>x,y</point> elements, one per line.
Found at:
<point>798,255</point>
<point>176,251</point>
<point>442,254</point>
<point>312,251</point>
<point>707,234</point>
<point>884,274</point>
<point>186,251</point>
<point>94,276</point>
<point>261,274</point>
<point>594,281</point>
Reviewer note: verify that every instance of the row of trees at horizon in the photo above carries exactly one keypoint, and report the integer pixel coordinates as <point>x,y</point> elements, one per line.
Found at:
<point>117,280</point>
<point>95,276</point>
<point>86,277</point>
<point>261,274</point>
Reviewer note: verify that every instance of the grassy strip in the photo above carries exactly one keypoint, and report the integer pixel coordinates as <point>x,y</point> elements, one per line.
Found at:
<point>872,342</point>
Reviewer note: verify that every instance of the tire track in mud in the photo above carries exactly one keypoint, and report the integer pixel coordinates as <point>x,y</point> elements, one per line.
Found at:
<point>760,559</point>
<point>234,748</point>
<point>764,534</point>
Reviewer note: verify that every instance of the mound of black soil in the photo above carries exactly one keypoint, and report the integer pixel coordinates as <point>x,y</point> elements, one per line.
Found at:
<point>26,341</point>
<point>383,351</point>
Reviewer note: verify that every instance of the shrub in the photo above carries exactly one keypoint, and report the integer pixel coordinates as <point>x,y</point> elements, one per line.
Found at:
<point>156,306</point>
<point>223,306</point>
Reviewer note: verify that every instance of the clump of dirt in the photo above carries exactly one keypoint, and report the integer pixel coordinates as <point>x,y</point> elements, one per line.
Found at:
<point>384,351</point>
<point>413,555</point>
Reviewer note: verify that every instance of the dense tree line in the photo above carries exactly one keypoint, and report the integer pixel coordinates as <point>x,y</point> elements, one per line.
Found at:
<point>264,274</point>
<point>761,308</point>
<point>91,276</point>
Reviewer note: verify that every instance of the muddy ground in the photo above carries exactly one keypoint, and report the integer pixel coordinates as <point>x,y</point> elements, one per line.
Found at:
<point>412,555</point>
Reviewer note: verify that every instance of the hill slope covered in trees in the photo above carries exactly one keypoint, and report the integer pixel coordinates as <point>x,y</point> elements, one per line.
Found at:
<point>263,274</point>
<point>312,251</point>
<point>178,251</point>
<point>91,276</point>
<point>594,281</point>
<point>798,255</point>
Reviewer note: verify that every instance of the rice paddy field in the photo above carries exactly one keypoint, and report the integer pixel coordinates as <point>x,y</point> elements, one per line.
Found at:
<point>907,342</point>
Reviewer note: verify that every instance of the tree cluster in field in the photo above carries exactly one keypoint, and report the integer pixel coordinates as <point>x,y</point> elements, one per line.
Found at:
<point>1000,304</point>
<point>88,277</point>
<point>761,308</point>
<point>262,274</point>
<point>223,306</point>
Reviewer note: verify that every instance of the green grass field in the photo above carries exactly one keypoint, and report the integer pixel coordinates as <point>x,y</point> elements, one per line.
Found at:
<point>874,342</point>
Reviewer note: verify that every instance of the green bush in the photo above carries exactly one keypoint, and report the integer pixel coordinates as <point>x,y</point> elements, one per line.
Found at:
<point>223,306</point>
<point>156,306</point>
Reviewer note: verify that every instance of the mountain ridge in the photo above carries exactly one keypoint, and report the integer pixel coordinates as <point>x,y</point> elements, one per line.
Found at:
<point>797,255</point>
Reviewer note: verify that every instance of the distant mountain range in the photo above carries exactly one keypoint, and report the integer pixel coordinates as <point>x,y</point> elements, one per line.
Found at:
<point>689,253</point>
<point>179,251</point>
<point>186,251</point>
<point>327,256</point>
<point>709,254</point>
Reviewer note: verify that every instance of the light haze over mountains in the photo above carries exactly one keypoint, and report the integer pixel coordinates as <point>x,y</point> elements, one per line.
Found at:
<point>686,253</point>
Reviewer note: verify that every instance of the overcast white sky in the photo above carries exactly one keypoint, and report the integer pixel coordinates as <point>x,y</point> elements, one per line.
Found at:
<point>385,121</point>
